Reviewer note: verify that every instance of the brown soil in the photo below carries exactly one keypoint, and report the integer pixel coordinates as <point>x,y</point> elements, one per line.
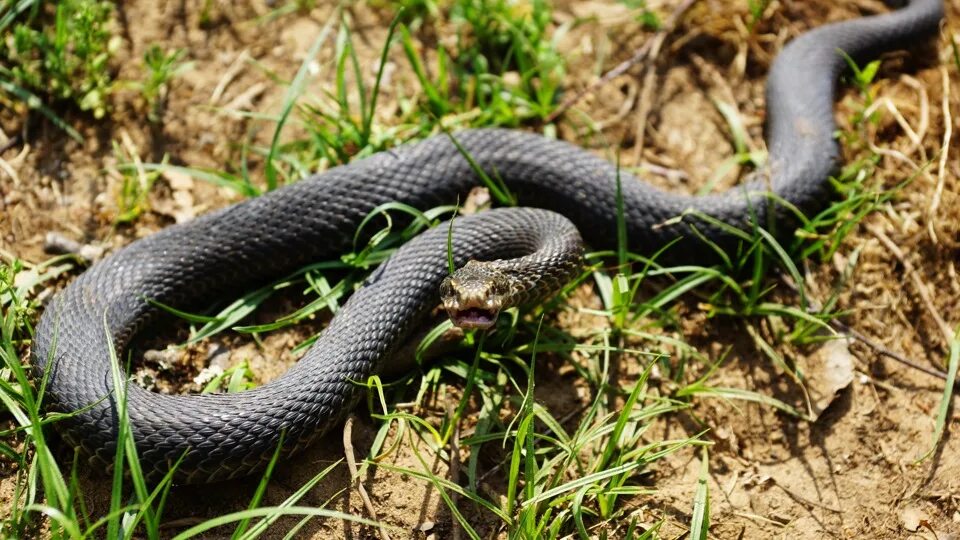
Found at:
<point>850,474</point>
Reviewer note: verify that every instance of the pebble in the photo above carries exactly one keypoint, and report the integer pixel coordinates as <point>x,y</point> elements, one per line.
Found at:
<point>218,357</point>
<point>57,244</point>
<point>165,358</point>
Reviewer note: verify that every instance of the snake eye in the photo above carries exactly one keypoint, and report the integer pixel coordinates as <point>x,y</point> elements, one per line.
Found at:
<point>446,288</point>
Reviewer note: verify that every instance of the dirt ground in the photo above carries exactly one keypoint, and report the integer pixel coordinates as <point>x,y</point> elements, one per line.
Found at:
<point>851,474</point>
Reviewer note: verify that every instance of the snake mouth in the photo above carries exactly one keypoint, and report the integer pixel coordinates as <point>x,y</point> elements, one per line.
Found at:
<point>474,317</point>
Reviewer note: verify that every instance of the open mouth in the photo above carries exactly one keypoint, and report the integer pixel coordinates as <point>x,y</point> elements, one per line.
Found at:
<point>474,318</point>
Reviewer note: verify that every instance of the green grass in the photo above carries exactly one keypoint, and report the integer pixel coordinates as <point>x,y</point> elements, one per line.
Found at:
<point>570,476</point>
<point>504,71</point>
<point>644,14</point>
<point>45,489</point>
<point>161,68</point>
<point>756,9</point>
<point>138,180</point>
<point>59,51</point>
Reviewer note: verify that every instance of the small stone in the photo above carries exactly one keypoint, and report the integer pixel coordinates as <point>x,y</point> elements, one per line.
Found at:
<point>90,252</point>
<point>164,359</point>
<point>219,357</point>
<point>178,181</point>
<point>57,244</point>
<point>207,374</point>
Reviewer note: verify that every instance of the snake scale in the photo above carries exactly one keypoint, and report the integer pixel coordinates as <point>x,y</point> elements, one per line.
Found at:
<point>245,245</point>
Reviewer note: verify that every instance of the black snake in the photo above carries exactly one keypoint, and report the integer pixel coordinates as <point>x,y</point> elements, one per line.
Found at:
<point>247,244</point>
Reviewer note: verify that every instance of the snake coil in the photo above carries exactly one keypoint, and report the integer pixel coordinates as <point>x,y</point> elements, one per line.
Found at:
<point>242,246</point>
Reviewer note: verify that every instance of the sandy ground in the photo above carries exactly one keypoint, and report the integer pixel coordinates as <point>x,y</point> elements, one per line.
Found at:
<point>851,474</point>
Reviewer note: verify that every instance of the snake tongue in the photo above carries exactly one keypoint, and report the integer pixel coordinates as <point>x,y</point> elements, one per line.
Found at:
<point>474,317</point>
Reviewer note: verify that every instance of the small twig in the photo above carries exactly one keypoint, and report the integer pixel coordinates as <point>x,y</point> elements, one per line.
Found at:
<point>355,473</point>
<point>923,122</point>
<point>915,277</point>
<point>235,68</point>
<point>897,155</point>
<point>11,142</point>
<point>915,136</point>
<point>244,101</point>
<point>6,168</point>
<point>883,351</point>
<point>4,165</point>
<point>851,332</point>
<point>638,56</point>
<point>944,152</point>
<point>803,500</point>
<point>646,102</point>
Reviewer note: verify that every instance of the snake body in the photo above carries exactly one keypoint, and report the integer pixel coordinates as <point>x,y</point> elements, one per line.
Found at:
<point>247,244</point>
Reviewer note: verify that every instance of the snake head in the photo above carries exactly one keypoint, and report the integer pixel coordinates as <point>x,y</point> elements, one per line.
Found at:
<point>474,295</point>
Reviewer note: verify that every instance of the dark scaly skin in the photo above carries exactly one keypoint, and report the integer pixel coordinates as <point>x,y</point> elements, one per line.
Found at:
<point>245,245</point>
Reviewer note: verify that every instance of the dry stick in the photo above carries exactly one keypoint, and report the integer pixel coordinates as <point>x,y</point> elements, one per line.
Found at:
<point>944,151</point>
<point>624,109</point>
<point>8,169</point>
<point>244,100</point>
<point>232,72</point>
<point>11,142</point>
<point>923,123</point>
<point>851,332</point>
<point>915,277</point>
<point>893,355</point>
<point>4,164</point>
<point>646,102</point>
<point>621,68</point>
<point>916,136</point>
<point>803,500</point>
<point>355,474</point>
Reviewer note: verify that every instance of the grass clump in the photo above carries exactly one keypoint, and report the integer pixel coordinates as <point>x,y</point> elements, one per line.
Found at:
<point>22,440</point>
<point>504,70</point>
<point>47,499</point>
<point>505,58</point>
<point>138,181</point>
<point>161,68</point>
<point>58,51</point>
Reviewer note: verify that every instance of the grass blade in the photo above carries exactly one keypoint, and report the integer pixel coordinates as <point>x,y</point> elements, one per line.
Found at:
<point>293,93</point>
<point>700,522</point>
<point>948,389</point>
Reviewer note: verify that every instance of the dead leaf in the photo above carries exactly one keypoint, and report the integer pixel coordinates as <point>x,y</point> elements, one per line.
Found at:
<point>911,517</point>
<point>828,371</point>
